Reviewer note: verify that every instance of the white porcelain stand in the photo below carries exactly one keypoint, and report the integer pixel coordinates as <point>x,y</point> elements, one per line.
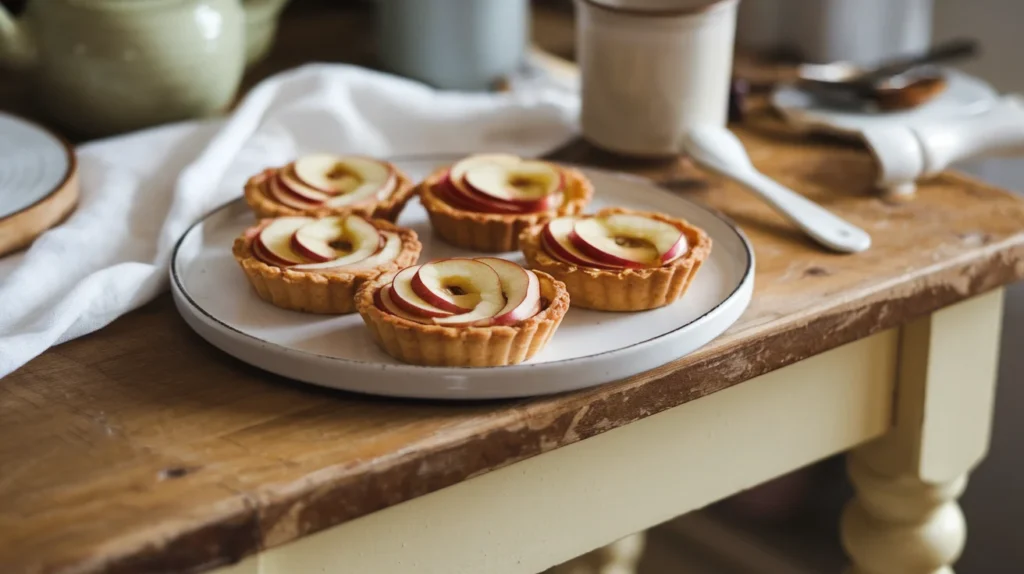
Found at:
<point>908,152</point>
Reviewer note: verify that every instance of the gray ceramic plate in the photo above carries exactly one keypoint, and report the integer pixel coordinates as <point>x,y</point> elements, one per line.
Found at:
<point>964,95</point>
<point>34,163</point>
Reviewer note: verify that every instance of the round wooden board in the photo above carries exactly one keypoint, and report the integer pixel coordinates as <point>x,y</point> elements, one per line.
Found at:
<point>38,181</point>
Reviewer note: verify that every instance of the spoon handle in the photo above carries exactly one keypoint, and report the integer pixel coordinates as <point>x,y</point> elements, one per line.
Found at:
<point>952,50</point>
<point>822,225</point>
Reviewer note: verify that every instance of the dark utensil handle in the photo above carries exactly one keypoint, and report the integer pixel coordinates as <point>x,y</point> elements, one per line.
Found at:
<point>944,52</point>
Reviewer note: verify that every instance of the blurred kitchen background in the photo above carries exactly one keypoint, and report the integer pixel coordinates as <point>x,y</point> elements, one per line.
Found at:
<point>789,526</point>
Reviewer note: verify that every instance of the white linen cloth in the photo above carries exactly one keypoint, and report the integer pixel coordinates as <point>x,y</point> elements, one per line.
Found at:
<point>141,191</point>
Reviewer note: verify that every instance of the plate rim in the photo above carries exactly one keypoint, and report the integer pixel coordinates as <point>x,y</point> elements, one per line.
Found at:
<point>746,278</point>
<point>69,151</point>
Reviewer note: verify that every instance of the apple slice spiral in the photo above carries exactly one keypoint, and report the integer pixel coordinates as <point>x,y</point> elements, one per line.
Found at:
<point>343,242</point>
<point>614,241</point>
<point>463,292</point>
<point>502,183</point>
<point>332,181</point>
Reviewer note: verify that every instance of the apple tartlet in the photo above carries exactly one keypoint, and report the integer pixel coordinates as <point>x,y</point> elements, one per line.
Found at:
<point>618,259</point>
<point>316,265</point>
<point>483,312</point>
<point>483,202</point>
<point>323,184</point>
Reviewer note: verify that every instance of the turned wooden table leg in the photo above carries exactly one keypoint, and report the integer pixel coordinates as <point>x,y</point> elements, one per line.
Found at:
<point>901,523</point>
<point>619,557</point>
<point>905,518</point>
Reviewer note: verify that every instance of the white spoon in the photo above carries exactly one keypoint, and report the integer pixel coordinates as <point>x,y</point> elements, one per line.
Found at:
<point>717,149</point>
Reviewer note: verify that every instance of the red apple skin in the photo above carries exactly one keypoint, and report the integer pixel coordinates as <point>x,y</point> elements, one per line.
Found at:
<point>525,307</point>
<point>427,295</point>
<point>545,203</point>
<point>552,246</point>
<point>309,184</point>
<point>468,200</point>
<point>447,193</point>
<point>299,248</point>
<point>378,301</point>
<point>445,189</point>
<point>678,249</point>
<point>315,257</point>
<point>595,253</point>
<point>381,242</point>
<point>264,255</point>
<point>518,315</point>
<point>288,172</point>
<point>295,174</point>
<point>282,194</point>
<point>283,184</point>
<point>410,308</point>
<point>481,202</point>
<point>451,195</point>
<point>389,167</point>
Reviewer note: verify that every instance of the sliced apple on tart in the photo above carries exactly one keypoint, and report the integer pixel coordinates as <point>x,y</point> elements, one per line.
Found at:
<point>406,298</point>
<point>505,314</point>
<point>463,292</point>
<point>614,241</point>
<point>618,259</point>
<point>520,287</point>
<point>315,265</point>
<point>307,244</point>
<point>332,181</point>
<point>502,183</point>
<point>555,238</point>
<point>274,242</point>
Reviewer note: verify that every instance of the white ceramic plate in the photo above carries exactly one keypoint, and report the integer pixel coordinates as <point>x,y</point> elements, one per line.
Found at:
<point>33,164</point>
<point>964,95</point>
<point>589,348</point>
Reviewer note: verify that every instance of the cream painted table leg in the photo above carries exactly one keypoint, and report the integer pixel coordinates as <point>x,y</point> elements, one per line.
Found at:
<point>905,518</point>
<point>619,557</point>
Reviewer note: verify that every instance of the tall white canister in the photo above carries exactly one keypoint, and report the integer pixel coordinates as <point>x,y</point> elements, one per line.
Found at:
<point>651,69</point>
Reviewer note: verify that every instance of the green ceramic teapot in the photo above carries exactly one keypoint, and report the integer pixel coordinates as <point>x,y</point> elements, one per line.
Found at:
<point>107,66</point>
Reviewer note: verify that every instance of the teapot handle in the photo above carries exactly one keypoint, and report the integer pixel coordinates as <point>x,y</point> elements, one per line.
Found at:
<point>16,47</point>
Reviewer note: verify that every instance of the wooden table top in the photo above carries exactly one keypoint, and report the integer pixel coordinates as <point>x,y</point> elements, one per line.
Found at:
<point>141,448</point>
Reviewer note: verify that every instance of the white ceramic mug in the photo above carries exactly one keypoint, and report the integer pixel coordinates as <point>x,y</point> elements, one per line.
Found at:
<point>649,73</point>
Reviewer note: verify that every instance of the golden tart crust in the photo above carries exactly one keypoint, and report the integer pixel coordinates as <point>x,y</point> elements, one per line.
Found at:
<point>622,289</point>
<point>264,205</point>
<point>496,232</point>
<point>330,291</point>
<point>440,346</point>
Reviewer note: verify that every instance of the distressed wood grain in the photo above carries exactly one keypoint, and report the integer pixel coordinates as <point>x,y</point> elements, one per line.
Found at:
<point>140,448</point>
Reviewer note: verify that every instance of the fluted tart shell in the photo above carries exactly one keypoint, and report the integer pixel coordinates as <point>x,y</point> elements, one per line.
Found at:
<point>622,289</point>
<point>496,232</point>
<point>463,346</point>
<point>263,203</point>
<point>324,291</point>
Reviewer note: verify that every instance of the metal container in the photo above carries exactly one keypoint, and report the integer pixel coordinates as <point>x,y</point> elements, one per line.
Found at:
<point>453,44</point>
